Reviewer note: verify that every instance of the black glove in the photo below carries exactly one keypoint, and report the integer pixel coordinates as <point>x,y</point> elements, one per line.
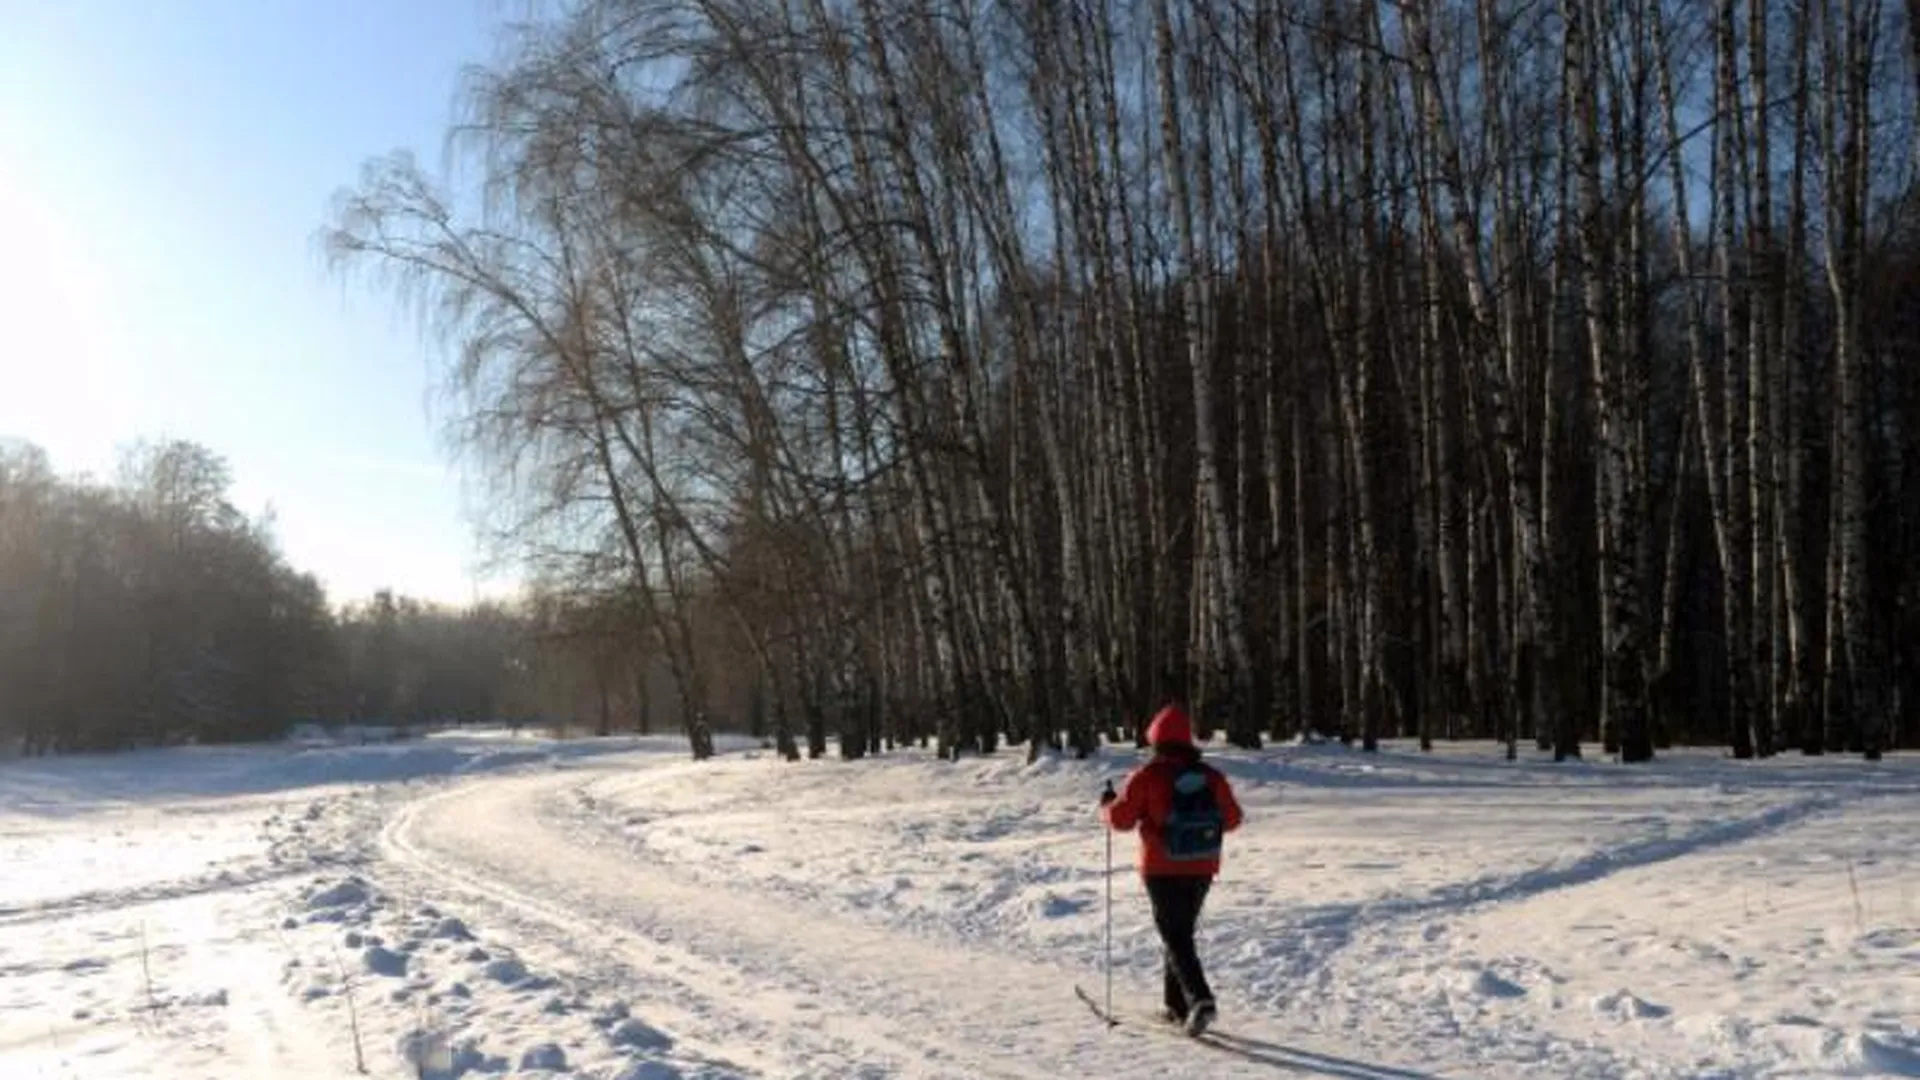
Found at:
<point>1108,795</point>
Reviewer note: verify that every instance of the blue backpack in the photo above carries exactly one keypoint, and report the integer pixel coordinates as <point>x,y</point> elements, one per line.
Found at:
<point>1195,826</point>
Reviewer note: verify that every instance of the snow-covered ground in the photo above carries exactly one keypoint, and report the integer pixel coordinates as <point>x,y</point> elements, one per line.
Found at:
<point>475,905</point>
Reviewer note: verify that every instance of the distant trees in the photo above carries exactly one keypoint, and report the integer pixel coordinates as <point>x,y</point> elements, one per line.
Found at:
<point>150,611</point>
<point>1450,367</point>
<point>406,661</point>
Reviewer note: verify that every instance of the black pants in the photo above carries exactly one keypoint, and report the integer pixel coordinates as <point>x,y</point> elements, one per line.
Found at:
<point>1176,910</point>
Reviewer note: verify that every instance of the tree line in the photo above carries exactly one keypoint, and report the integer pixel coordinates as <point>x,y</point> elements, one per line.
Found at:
<point>1497,368</point>
<point>149,611</point>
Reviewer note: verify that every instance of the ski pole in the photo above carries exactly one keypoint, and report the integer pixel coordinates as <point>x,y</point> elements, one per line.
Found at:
<point>1109,833</point>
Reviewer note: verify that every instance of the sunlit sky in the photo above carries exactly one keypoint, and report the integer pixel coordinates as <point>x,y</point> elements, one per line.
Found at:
<point>164,168</point>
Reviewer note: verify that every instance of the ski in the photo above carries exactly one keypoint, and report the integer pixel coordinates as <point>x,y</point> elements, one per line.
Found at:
<point>1241,1046</point>
<point>1139,1021</point>
<point>1081,993</point>
<point>1152,1023</point>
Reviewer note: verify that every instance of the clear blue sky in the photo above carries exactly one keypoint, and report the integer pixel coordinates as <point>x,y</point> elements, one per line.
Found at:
<point>164,167</point>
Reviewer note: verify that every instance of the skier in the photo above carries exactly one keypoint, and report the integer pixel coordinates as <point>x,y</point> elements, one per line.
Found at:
<point>1183,808</point>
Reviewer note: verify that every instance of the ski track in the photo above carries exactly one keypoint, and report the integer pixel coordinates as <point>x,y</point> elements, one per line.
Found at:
<point>840,999</point>
<point>481,833</point>
<point>1327,956</point>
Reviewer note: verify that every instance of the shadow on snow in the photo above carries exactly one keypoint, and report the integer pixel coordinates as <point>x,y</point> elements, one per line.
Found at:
<point>1306,1062</point>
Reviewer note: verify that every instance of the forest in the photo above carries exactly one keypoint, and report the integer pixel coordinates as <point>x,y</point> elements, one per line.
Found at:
<point>1499,368</point>
<point>148,611</point>
<point>983,373</point>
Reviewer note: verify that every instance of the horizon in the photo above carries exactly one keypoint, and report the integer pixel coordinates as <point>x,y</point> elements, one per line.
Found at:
<point>162,182</point>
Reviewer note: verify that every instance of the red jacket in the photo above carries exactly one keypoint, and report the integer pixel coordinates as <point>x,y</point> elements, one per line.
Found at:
<point>1147,799</point>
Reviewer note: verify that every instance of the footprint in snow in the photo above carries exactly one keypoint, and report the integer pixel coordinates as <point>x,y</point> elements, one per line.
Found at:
<point>1487,984</point>
<point>1624,1005</point>
<point>1890,938</point>
<point>1892,1053</point>
<point>346,893</point>
<point>451,929</point>
<point>640,1036</point>
<point>547,1057</point>
<point>506,970</point>
<point>1056,906</point>
<point>381,960</point>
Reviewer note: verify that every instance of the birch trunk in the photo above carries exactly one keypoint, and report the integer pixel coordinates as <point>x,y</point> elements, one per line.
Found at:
<point>1223,578</point>
<point>1534,648</point>
<point>1736,565</point>
<point>1847,172</point>
<point>1623,699</point>
<point>1765,416</point>
<point>1707,428</point>
<point>1791,449</point>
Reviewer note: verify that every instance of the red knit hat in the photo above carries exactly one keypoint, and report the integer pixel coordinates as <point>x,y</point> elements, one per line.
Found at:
<point>1170,726</point>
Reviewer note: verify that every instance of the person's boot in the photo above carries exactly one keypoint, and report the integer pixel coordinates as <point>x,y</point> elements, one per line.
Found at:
<point>1200,1018</point>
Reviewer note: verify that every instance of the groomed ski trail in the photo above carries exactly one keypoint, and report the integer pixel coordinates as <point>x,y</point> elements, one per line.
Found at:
<point>780,991</point>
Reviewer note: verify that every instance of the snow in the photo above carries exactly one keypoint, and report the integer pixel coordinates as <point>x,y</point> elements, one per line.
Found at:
<point>481,903</point>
